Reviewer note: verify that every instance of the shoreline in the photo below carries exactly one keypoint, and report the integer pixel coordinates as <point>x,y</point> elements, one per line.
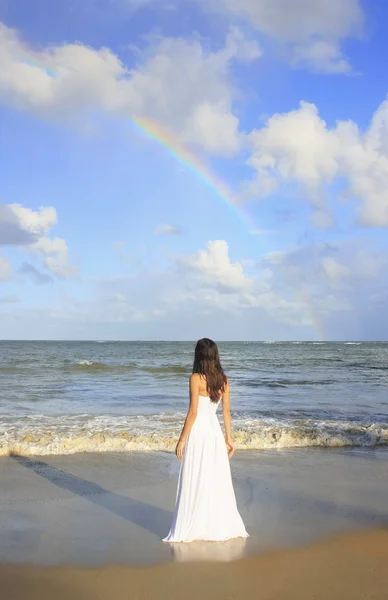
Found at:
<point>352,566</point>
<point>74,434</point>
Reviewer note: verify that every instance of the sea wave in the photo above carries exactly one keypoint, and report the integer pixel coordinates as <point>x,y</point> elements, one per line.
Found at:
<point>43,435</point>
<point>88,366</point>
<point>285,383</point>
<point>256,364</point>
<point>92,366</point>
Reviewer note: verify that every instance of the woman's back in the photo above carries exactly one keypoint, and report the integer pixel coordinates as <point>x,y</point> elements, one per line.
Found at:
<point>205,506</point>
<point>206,406</point>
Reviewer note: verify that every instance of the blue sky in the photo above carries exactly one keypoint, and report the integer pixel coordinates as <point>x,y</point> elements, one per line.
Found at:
<point>105,235</point>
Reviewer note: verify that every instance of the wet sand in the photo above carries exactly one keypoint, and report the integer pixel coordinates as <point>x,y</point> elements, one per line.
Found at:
<point>354,567</point>
<point>105,514</point>
<point>106,509</point>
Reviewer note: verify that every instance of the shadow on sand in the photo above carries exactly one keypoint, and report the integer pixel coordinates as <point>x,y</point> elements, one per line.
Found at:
<point>151,518</point>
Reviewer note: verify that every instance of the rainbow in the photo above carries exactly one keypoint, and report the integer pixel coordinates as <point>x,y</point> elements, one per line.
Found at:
<point>188,159</point>
<point>191,161</point>
<point>178,151</point>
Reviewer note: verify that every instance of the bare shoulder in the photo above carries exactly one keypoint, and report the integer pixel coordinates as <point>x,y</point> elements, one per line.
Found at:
<point>195,379</point>
<point>226,391</point>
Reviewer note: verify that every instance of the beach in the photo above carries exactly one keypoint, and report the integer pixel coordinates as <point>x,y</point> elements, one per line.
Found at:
<point>114,509</point>
<point>88,474</point>
<point>92,525</point>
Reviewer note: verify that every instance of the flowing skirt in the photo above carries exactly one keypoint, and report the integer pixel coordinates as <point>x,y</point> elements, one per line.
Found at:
<point>205,507</point>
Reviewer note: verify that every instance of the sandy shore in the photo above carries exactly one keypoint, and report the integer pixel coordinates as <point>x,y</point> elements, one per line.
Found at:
<point>103,509</point>
<point>353,567</point>
<point>107,509</point>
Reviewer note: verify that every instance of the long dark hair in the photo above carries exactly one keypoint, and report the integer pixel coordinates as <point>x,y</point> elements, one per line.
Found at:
<point>207,363</point>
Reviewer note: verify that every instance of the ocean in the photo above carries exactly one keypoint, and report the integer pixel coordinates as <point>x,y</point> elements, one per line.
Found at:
<point>69,397</point>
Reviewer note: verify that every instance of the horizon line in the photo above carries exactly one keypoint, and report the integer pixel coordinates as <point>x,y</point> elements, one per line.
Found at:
<point>262,341</point>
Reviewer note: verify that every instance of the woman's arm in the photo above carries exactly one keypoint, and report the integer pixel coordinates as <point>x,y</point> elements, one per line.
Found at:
<point>191,415</point>
<point>227,420</point>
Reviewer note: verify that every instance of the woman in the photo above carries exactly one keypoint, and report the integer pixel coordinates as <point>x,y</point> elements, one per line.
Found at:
<point>205,506</point>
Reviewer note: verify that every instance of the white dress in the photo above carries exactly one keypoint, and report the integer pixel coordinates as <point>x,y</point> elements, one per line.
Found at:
<point>205,506</point>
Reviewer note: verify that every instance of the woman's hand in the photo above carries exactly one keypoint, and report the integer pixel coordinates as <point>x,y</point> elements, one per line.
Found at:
<point>179,449</point>
<point>230,449</point>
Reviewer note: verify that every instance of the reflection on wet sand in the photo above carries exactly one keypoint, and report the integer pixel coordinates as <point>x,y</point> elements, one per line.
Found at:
<point>209,551</point>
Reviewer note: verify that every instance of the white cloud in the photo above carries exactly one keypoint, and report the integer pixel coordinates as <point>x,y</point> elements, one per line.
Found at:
<point>26,228</point>
<point>310,33</point>
<point>214,267</point>
<point>289,295</point>
<point>177,82</point>
<point>310,30</point>
<point>188,89</point>
<point>366,165</point>
<point>55,252</point>
<point>322,55</point>
<point>37,222</point>
<point>167,229</point>
<point>295,146</point>
<point>21,226</point>
<point>330,280</point>
<point>211,281</point>
<point>298,147</point>
<point>333,269</point>
<point>214,128</point>
<point>241,48</point>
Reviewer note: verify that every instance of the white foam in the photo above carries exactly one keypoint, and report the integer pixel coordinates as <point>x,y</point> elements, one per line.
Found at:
<point>44,435</point>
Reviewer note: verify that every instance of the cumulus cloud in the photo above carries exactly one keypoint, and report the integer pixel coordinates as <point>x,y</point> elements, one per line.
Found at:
<point>334,291</point>
<point>27,228</point>
<point>55,253</point>
<point>311,31</point>
<point>214,267</point>
<point>177,82</point>
<point>167,229</point>
<point>298,147</point>
<point>21,226</point>
<point>36,222</point>
<point>332,279</point>
<point>212,281</point>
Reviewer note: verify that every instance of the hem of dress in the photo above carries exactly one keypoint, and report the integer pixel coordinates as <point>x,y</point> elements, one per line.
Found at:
<point>235,537</point>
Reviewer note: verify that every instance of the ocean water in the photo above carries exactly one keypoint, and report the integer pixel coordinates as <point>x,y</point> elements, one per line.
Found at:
<point>68,397</point>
